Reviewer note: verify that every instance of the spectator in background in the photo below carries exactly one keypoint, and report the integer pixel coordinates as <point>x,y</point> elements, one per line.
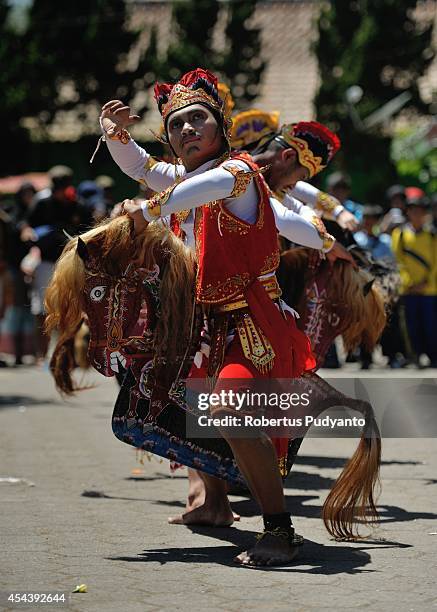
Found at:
<point>24,199</point>
<point>396,203</point>
<point>46,222</point>
<point>339,185</point>
<point>53,172</point>
<point>394,341</point>
<point>393,218</point>
<point>379,246</point>
<point>106,183</point>
<point>414,194</point>
<point>415,248</point>
<point>396,197</point>
<point>17,327</point>
<point>369,236</point>
<point>6,296</point>
<point>91,197</point>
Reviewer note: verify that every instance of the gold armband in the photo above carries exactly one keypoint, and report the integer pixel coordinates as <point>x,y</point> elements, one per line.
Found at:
<point>242,179</point>
<point>328,242</point>
<point>326,238</point>
<point>156,202</point>
<point>151,161</point>
<point>327,204</point>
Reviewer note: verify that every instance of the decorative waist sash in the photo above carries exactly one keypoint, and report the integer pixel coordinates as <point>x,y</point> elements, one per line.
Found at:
<point>270,285</point>
<point>244,315</point>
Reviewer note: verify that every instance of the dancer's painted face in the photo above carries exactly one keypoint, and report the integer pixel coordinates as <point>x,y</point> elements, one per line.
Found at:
<point>194,135</point>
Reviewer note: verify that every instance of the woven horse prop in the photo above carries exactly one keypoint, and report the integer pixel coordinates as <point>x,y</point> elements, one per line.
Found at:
<point>137,295</point>
<point>336,299</point>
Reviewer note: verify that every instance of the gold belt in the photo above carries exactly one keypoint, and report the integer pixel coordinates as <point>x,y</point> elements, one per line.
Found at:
<point>270,284</point>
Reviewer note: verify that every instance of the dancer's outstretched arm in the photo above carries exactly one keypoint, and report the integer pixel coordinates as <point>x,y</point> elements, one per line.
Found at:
<point>324,204</point>
<point>288,202</point>
<point>302,226</point>
<point>132,159</point>
<point>231,181</point>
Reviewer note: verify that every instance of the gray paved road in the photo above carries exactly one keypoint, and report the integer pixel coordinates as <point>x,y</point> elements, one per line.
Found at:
<point>53,538</point>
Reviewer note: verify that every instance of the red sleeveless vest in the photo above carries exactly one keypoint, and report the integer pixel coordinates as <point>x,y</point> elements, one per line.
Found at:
<point>231,256</point>
<point>231,253</point>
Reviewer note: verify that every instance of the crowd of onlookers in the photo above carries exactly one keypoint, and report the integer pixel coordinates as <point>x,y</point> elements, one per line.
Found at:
<point>402,229</point>
<point>34,227</point>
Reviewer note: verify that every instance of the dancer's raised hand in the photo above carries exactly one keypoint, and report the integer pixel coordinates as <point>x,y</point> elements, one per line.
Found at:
<point>116,112</point>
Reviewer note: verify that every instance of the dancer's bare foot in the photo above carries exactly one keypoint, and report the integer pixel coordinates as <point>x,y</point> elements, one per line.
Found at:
<point>196,499</point>
<point>270,550</point>
<point>196,490</point>
<point>179,518</point>
<point>218,514</point>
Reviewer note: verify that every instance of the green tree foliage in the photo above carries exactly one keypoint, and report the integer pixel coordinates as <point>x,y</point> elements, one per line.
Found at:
<point>241,62</point>
<point>377,45</point>
<point>14,87</point>
<point>415,155</point>
<point>69,53</point>
<point>83,44</point>
<point>192,45</point>
<point>74,54</point>
<point>193,24</point>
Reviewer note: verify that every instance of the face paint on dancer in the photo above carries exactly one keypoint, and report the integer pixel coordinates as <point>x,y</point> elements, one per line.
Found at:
<point>194,135</point>
<point>195,118</point>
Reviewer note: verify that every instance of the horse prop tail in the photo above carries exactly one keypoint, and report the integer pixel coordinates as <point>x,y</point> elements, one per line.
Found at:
<point>64,308</point>
<point>70,352</point>
<point>353,494</point>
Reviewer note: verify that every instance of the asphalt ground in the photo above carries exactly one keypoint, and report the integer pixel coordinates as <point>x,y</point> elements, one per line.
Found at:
<point>85,511</point>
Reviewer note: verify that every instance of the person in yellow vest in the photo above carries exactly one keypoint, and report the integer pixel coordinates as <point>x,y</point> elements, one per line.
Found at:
<point>415,248</point>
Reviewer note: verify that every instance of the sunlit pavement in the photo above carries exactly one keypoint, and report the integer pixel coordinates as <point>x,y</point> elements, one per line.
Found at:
<point>116,539</point>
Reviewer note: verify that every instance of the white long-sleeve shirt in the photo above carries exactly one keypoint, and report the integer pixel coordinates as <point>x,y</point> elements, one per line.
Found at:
<point>307,193</point>
<point>206,184</point>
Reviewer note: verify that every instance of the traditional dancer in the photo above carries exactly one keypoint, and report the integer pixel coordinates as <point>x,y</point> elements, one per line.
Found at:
<point>259,132</point>
<point>237,255</point>
<point>138,164</point>
<point>316,146</point>
<point>331,300</point>
<point>236,245</point>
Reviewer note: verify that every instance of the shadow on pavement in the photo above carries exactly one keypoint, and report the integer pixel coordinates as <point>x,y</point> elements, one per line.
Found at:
<point>149,478</point>
<point>305,481</point>
<point>170,504</point>
<point>298,504</point>
<point>395,514</point>
<point>12,401</point>
<point>339,462</point>
<point>314,558</point>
